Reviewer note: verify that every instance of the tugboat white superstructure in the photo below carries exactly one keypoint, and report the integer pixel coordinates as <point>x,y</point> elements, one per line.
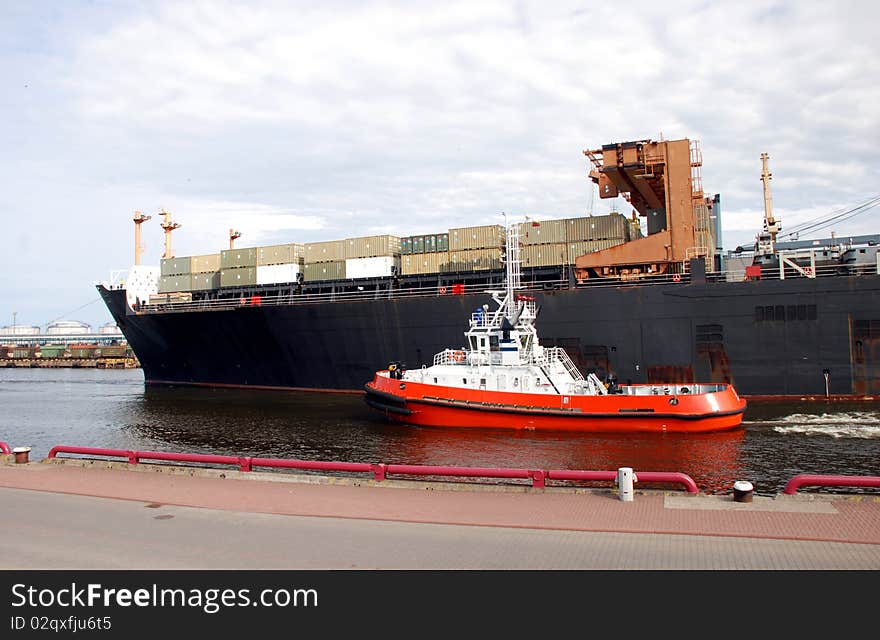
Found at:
<point>504,378</point>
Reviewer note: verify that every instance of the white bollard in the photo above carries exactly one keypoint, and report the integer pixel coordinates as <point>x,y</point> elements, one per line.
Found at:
<point>625,479</point>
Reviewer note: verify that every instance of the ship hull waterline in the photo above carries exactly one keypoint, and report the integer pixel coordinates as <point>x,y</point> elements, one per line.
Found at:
<point>642,334</point>
<point>419,404</point>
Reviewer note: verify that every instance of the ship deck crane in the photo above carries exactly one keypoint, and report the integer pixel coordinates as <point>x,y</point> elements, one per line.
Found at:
<point>168,226</point>
<point>139,219</point>
<point>233,236</point>
<point>767,238</point>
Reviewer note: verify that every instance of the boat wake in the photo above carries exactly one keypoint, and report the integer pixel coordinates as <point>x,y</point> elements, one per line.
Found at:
<point>836,425</point>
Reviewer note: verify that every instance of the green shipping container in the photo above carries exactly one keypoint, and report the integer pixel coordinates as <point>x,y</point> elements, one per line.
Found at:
<point>406,246</point>
<point>239,277</point>
<point>53,351</point>
<point>205,281</point>
<point>168,284</point>
<point>442,242</point>
<point>234,258</point>
<point>175,266</point>
<point>318,271</point>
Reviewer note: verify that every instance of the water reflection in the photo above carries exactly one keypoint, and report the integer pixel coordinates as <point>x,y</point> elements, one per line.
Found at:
<point>113,409</point>
<point>341,427</point>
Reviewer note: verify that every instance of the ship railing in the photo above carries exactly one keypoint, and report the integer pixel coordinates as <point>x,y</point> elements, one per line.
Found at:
<point>558,355</point>
<point>729,275</point>
<point>451,356</point>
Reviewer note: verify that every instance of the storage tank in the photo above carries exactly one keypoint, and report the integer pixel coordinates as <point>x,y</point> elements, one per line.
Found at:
<point>20,330</point>
<point>68,327</point>
<point>109,329</point>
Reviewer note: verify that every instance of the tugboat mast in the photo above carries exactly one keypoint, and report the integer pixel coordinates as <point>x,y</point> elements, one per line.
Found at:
<point>513,267</point>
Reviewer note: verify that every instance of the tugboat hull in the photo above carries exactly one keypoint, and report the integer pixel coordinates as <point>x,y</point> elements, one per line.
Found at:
<point>637,409</point>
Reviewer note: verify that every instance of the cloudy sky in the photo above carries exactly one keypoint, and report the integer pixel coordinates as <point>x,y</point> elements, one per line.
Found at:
<point>302,121</point>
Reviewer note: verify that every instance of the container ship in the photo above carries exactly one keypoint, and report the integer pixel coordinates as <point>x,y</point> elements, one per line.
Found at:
<point>666,305</point>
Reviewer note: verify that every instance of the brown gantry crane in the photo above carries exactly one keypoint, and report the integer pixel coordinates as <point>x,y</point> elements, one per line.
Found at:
<point>663,183</point>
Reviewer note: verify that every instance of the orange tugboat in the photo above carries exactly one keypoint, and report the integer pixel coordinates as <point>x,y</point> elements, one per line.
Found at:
<point>504,378</point>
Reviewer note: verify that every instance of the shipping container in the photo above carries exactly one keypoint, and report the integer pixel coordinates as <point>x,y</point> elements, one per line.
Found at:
<point>205,281</point>
<point>406,245</point>
<point>418,244</point>
<point>483,237</point>
<point>208,263</point>
<point>233,258</point>
<point>277,273</point>
<point>376,267</point>
<point>182,282</point>
<point>442,242</point>
<point>613,226</point>
<point>115,350</point>
<point>543,232</point>
<point>544,255</point>
<point>175,266</point>
<point>53,351</point>
<point>83,350</point>
<point>291,253</point>
<point>317,271</point>
<point>576,249</point>
<point>424,263</point>
<point>371,247</point>
<point>331,251</point>
<point>239,277</point>
<point>474,260</point>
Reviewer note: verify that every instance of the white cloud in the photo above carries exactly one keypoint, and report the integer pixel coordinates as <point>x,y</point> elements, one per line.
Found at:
<point>306,121</point>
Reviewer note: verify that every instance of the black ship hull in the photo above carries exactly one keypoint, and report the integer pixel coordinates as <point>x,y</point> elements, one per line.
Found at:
<point>796,337</point>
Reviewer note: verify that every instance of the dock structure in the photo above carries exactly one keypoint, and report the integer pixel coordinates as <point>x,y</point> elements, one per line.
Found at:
<point>164,515</point>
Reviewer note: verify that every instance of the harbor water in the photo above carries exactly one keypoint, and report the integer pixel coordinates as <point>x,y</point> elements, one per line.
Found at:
<point>113,408</point>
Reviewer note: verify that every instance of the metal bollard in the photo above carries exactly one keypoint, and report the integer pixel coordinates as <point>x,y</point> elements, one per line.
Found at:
<point>742,491</point>
<point>625,480</point>
<point>21,454</point>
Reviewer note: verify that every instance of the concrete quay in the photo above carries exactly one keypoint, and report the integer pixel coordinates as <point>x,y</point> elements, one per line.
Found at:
<point>82,514</point>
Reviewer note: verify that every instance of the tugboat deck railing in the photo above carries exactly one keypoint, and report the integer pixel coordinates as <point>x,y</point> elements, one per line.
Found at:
<point>552,355</point>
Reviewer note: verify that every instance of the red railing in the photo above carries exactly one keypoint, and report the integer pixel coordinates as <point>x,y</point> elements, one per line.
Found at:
<point>641,476</point>
<point>380,471</point>
<point>5,448</point>
<point>806,479</point>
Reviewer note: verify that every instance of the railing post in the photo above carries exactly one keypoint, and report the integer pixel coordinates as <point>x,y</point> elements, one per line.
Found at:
<point>133,457</point>
<point>539,478</point>
<point>244,464</point>
<point>379,472</point>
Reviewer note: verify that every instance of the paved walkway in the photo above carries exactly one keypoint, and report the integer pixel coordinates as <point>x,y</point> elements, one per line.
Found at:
<point>70,515</point>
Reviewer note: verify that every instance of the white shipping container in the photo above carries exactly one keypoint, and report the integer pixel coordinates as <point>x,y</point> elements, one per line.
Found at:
<point>376,267</point>
<point>276,273</point>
